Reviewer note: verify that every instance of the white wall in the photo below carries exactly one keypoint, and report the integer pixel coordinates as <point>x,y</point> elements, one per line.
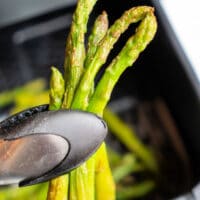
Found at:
<point>184,16</point>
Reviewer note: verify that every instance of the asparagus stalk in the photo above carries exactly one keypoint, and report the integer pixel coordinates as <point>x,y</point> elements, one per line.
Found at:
<point>99,30</point>
<point>129,164</point>
<point>29,99</point>
<point>131,16</point>
<point>129,138</point>
<point>98,102</point>
<point>104,185</point>
<point>136,191</point>
<point>74,59</point>
<point>137,43</point>
<point>75,49</point>
<point>87,191</point>
<point>21,193</point>
<point>82,185</point>
<point>104,182</point>
<point>57,88</point>
<point>113,157</point>
<point>82,181</point>
<point>58,187</point>
<point>10,96</point>
<point>41,192</point>
<point>134,46</point>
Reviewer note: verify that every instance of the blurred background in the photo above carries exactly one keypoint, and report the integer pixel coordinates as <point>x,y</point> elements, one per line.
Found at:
<point>160,95</point>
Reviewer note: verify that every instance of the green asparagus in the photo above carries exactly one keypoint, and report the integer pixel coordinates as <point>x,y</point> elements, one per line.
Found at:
<point>79,85</point>
<point>75,49</point>
<point>58,187</point>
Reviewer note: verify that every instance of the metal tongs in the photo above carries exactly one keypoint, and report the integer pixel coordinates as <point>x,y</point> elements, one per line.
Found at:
<point>37,145</point>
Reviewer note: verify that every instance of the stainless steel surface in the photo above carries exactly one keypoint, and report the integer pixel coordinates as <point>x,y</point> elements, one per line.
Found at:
<point>84,131</point>
<point>30,156</point>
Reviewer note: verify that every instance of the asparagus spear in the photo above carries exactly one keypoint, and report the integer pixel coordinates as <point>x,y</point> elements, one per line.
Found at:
<point>80,187</point>
<point>98,102</point>
<point>113,157</point>
<point>75,54</point>
<point>75,49</point>
<point>82,179</point>
<point>57,88</point>
<point>131,16</point>
<point>104,182</point>
<point>99,30</point>
<point>128,164</point>
<point>29,99</point>
<point>129,138</point>
<point>58,187</point>
<point>136,191</point>
<point>10,96</point>
<point>134,46</point>
<point>30,192</point>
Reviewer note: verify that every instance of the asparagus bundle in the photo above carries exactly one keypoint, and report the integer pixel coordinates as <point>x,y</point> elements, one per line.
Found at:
<point>93,179</point>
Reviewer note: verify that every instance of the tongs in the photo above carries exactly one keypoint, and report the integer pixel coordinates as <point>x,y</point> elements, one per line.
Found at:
<point>37,145</point>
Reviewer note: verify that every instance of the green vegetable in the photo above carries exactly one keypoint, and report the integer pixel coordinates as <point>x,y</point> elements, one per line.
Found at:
<point>129,164</point>
<point>33,87</point>
<point>134,46</point>
<point>135,191</point>
<point>75,49</point>
<point>58,187</point>
<point>113,157</point>
<point>98,32</point>
<point>82,179</point>
<point>74,60</point>
<point>93,180</point>
<point>36,192</point>
<point>129,138</point>
<point>57,89</point>
<point>131,16</point>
